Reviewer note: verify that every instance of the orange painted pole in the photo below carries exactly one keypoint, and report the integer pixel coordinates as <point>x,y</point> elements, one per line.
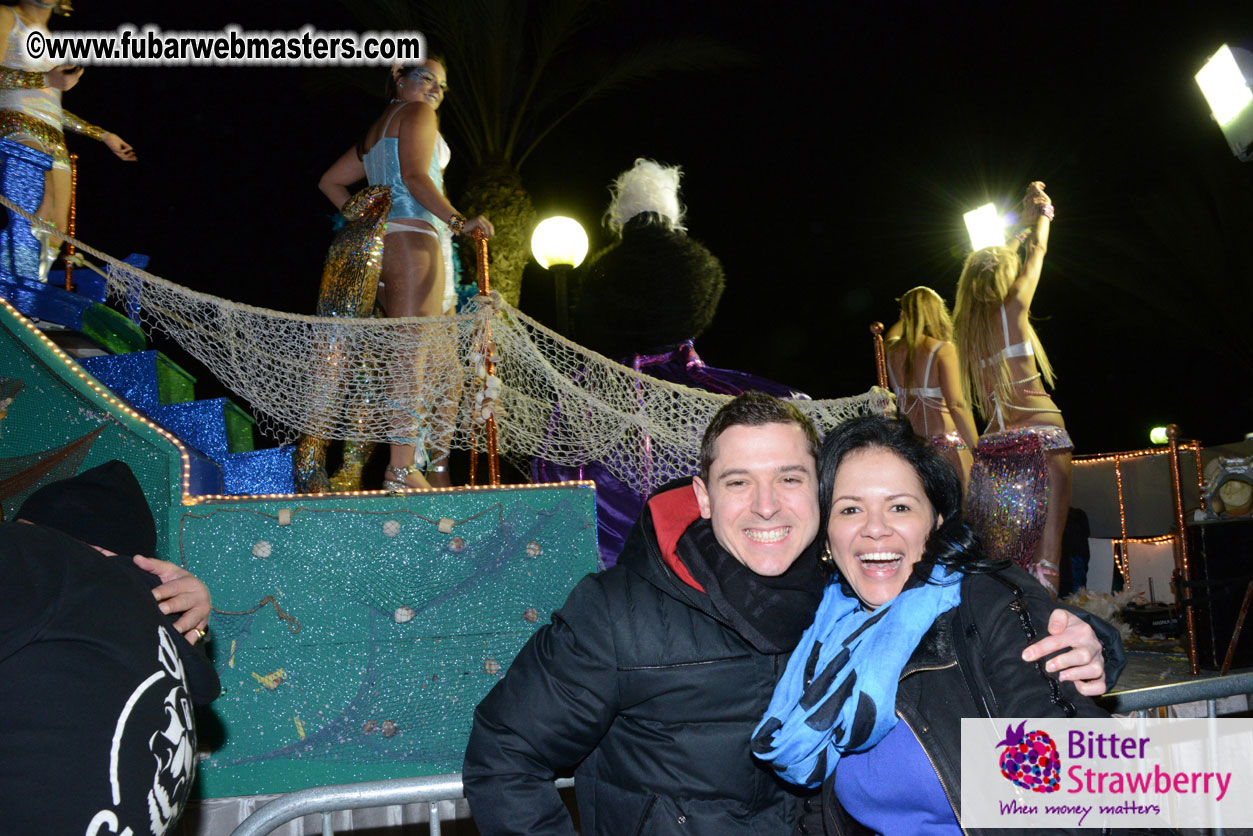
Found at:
<point>72,224</point>
<point>493,454</point>
<point>1181,549</point>
<point>880,358</point>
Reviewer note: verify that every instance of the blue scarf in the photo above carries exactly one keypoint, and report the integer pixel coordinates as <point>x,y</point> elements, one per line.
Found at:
<point>838,694</point>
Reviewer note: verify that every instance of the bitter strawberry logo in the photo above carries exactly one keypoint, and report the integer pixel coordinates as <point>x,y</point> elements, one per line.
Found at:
<point>1031,759</point>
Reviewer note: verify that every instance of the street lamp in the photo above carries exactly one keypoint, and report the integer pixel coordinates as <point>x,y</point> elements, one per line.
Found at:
<point>559,244</point>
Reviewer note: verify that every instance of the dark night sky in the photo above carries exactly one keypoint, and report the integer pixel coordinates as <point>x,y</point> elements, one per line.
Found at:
<point>829,175</point>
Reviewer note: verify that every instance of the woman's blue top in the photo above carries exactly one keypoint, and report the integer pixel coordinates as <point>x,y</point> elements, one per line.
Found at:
<point>382,168</point>
<point>893,789</point>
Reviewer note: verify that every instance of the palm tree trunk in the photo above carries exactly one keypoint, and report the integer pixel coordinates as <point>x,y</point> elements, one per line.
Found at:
<point>497,192</point>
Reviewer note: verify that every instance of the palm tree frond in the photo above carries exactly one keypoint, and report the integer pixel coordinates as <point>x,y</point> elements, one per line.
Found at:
<point>585,80</point>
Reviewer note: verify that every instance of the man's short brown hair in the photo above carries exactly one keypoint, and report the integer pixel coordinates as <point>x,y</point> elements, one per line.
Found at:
<point>753,409</point>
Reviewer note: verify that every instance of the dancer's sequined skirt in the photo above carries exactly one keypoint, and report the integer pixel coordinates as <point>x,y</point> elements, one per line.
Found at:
<point>1009,490</point>
<point>951,440</point>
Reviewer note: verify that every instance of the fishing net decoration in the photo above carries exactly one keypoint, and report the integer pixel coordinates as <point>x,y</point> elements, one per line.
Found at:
<point>393,379</point>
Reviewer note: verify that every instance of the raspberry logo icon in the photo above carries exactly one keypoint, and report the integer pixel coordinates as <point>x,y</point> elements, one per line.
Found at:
<point>1030,759</point>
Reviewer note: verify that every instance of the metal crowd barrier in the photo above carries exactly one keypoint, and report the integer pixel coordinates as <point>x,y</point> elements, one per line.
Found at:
<point>429,790</point>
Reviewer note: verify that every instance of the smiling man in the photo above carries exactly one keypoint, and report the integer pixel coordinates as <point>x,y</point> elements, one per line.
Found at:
<point>648,683</point>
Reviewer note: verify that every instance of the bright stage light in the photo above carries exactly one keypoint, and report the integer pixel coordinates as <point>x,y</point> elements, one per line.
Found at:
<point>1225,82</point>
<point>986,227</point>
<point>1157,435</point>
<point>1224,86</point>
<point>559,240</point>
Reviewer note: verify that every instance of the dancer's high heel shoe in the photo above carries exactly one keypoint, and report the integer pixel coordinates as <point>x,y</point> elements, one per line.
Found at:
<point>308,472</point>
<point>48,252</point>
<point>396,478</point>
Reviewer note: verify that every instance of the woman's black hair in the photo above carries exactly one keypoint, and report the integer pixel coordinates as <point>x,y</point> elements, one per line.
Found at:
<point>953,544</point>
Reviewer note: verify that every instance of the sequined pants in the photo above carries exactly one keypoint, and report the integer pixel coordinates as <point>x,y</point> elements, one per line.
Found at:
<point>1009,490</point>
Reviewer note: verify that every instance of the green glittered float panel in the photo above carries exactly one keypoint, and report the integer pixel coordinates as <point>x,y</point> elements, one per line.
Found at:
<point>112,330</point>
<point>239,429</point>
<point>174,383</point>
<point>57,405</point>
<point>354,641</point>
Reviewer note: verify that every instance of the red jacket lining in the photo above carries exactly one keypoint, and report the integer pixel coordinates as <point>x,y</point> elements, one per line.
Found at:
<point>673,512</point>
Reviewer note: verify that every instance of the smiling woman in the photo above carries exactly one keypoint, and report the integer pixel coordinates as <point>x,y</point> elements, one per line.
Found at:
<point>880,522</point>
<point>919,626</point>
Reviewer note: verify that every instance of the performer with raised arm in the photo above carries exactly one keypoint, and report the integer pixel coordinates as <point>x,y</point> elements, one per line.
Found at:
<point>1020,483</point>
<point>404,150</point>
<point>31,112</point>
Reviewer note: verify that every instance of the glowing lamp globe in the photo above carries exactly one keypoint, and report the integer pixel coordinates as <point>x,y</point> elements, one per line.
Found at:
<point>986,227</point>
<point>559,240</point>
<point>1157,435</point>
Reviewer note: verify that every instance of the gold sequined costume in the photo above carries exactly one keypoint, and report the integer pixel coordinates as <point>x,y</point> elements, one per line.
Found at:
<point>30,111</point>
<point>350,279</point>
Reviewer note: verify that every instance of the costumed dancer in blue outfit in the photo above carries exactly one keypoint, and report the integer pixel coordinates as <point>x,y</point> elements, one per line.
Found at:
<point>645,299</point>
<point>1020,483</point>
<point>31,112</point>
<point>918,629</point>
<point>405,151</point>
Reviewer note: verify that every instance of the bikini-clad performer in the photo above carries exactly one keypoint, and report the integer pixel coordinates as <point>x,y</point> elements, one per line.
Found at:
<point>925,374</point>
<point>403,149</point>
<point>31,112</point>
<point>1020,483</point>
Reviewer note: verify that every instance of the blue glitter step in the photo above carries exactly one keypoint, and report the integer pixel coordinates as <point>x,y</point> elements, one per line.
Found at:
<point>205,476</point>
<point>146,379</point>
<point>216,426</point>
<point>259,472</point>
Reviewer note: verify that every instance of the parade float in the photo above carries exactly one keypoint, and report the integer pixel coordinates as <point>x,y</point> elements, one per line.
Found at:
<point>353,632</point>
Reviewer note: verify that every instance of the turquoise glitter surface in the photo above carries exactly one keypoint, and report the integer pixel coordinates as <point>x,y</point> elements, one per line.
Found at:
<point>57,406</point>
<point>354,641</point>
<point>353,635</point>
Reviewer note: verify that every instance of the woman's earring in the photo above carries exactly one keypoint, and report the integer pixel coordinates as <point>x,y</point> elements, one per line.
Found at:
<point>826,558</point>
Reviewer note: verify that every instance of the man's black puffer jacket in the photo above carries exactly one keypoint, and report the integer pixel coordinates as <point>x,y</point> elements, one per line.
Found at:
<point>646,693</point>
